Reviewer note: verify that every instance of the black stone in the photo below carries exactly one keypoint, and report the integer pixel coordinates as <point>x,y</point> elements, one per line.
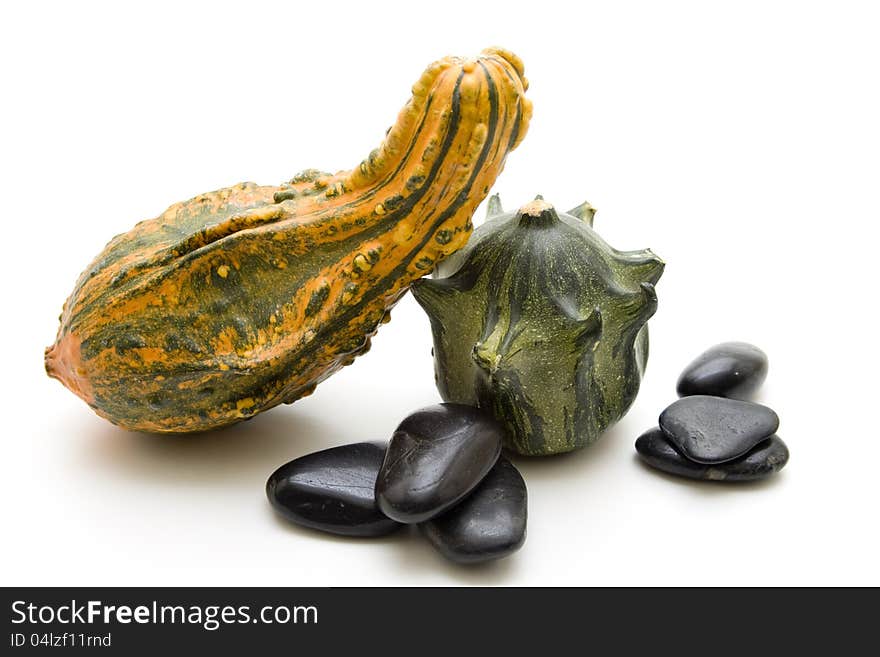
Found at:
<point>764,459</point>
<point>489,524</point>
<point>333,491</point>
<point>436,456</point>
<point>730,369</point>
<point>714,429</point>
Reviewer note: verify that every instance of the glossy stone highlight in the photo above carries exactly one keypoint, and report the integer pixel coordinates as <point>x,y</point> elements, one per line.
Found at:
<point>730,369</point>
<point>766,458</point>
<point>332,491</point>
<point>436,456</point>
<point>714,429</point>
<point>489,524</point>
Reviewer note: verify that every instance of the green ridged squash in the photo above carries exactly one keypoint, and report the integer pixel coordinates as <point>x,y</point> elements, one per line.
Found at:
<point>538,320</point>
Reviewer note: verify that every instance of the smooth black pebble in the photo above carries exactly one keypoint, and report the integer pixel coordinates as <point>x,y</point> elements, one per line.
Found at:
<point>767,457</point>
<point>730,369</point>
<point>714,429</point>
<point>436,456</point>
<point>489,524</point>
<point>333,490</point>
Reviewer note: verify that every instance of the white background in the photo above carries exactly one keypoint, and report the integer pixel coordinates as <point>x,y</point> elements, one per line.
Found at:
<point>740,141</point>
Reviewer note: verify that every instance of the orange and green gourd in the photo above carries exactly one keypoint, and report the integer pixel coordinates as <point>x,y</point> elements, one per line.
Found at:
<point>247,297</point>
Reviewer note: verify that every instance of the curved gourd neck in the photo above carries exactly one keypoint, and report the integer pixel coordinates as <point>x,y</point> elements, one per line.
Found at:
<point>451,89</point>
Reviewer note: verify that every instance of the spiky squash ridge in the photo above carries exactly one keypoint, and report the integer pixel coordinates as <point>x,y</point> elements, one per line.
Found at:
<point>247,297</point>
<point>542,323</point>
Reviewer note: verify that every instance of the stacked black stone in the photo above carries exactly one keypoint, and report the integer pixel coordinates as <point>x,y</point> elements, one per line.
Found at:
<point>713,432</point>
<point>442,471</point>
